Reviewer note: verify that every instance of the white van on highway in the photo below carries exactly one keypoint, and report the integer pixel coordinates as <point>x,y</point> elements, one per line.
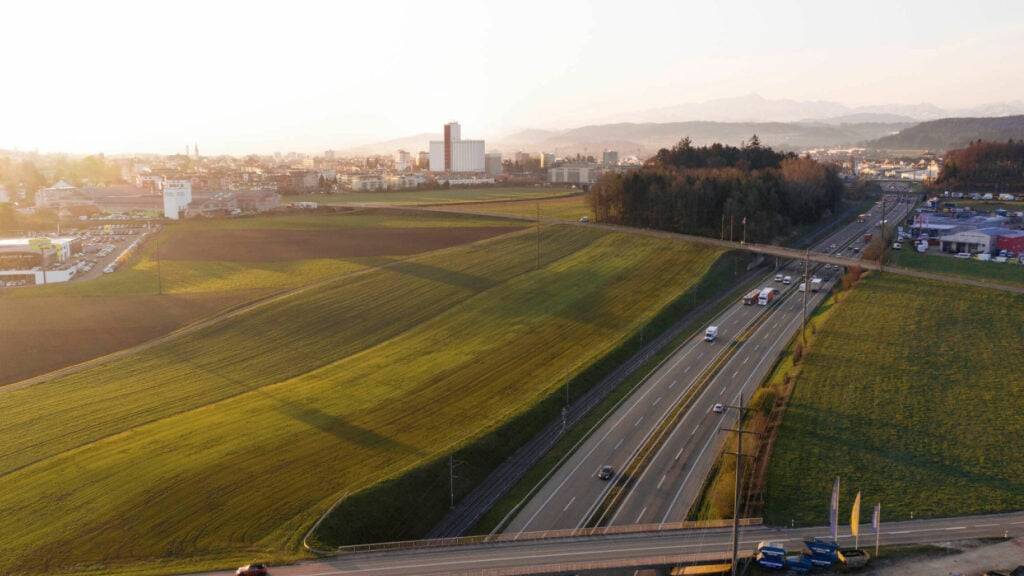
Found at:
<point>711,334</point>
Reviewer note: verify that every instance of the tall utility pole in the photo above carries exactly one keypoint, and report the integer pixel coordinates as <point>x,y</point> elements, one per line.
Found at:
<point>538,235</point>
<point>732,225</point>
<point>881,257</point>
<point>740,411</point>
<point>451,479</point>
<point>807,287</point>
<point>159,280</point>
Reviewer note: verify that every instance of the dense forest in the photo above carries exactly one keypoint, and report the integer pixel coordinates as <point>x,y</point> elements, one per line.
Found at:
<point>995,166</point>
<point>750,192</point>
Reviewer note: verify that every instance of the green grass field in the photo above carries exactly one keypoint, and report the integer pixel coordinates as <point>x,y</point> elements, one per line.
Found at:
<point>1002,273</point>
<point>444,196</point>
<point>226,444</point>
<point>565,208</point>
<point>186,276</point>
<point>43,328</point>
<point>911,395</point>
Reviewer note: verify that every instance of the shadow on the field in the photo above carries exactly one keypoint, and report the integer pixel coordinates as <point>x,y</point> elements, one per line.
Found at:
<point>338,426</point>
<point>435,274</point>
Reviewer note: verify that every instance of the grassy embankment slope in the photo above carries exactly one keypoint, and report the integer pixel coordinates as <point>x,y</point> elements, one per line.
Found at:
<point>206,266</point>
<point>1001,273</point>
<point>226,444</point>
<point>442,196</point>
<point>911,395</point>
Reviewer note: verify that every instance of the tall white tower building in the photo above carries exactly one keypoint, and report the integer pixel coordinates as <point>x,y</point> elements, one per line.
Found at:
<point>453,154</point>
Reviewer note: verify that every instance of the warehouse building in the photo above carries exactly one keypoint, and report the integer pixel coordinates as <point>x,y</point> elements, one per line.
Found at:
<point>37,260</point>
<point>987,240</point>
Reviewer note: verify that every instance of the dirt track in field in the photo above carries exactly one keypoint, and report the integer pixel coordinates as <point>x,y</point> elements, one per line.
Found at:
<point>274,245</point>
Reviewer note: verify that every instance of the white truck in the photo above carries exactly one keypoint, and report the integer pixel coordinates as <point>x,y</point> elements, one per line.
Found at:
<point>816,284</point>
<point>711,333</point>
<point>766,296</point>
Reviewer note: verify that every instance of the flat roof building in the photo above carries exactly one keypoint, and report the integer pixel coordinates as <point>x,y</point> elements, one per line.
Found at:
<point>454,155</point>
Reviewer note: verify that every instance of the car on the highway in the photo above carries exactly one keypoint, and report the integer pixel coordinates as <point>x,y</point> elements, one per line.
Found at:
<point>252,570</point>
<point>584,219</point>
<point>963,255</point>
<point>778,277</point>
<point>787,280</point>
<point>718,408</point>
<point>606,473</point>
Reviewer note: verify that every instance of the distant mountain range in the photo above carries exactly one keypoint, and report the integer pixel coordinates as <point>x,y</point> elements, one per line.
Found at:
<point>756,108</point>
<point>783,124</point>
<point>644,139</point>
<point>949,133</point>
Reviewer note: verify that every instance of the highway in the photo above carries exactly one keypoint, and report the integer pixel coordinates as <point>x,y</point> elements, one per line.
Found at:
<point>633,550</point>
<point>696,376</point>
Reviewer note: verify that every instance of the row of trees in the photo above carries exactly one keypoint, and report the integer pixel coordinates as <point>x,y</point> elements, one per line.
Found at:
<point>718,190</point>
<point>984,166</point>
<point>30,175</point>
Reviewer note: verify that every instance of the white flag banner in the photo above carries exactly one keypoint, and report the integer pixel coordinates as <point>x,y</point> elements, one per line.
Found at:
<point>833,514</point>
<point>876,516</point>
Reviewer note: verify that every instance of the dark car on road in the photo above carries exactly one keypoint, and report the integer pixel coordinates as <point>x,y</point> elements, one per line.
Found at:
<point>606,473</point>
<point>252,570</point>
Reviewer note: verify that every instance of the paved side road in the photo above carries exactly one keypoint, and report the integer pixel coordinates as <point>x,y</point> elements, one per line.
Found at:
<point>631,550</point>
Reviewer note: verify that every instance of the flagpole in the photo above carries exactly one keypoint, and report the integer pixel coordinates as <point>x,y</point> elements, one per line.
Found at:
<point>877,521</point>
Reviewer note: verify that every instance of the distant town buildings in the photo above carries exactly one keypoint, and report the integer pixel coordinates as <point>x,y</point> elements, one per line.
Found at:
<point>403,161</point>
<point>455,155</point>
<point>423,160</point>
<point>579,173</point>
<point>547,160</point>
<point>610,158</point>
<point>492,163</point>
<point>177,196</point>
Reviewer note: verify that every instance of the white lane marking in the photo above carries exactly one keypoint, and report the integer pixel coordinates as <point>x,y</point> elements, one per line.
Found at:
<point>699,356</point>
<point>695,428</point>
<point>735,373</point>
<point>573,499</point>
<point>685,370</point>
<point>956,528</point>
<point>746,359</point>
<point>678,454</point>
<point>713,436</point>
<point>674,382</point>
<point>618,444</point>
<point>656,400</point>
<point>662,481</point>
<point>722,392</point>
<point>639,420</point>
<point>984,525</point>
<point>589,453</point>
<point>640,515</point>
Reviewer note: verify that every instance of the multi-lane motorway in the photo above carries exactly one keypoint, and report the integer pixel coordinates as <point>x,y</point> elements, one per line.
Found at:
<point>572,554</point>
<point>663,440</point>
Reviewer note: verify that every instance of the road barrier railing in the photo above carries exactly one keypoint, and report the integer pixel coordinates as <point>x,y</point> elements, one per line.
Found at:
<point>538,535</point>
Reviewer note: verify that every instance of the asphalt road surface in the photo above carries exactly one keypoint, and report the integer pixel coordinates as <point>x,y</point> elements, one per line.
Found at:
<point>569,554</point>
<point>663,491</point>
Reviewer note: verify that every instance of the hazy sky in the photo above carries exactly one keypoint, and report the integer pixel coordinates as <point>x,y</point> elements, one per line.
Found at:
<point>249,76</point>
